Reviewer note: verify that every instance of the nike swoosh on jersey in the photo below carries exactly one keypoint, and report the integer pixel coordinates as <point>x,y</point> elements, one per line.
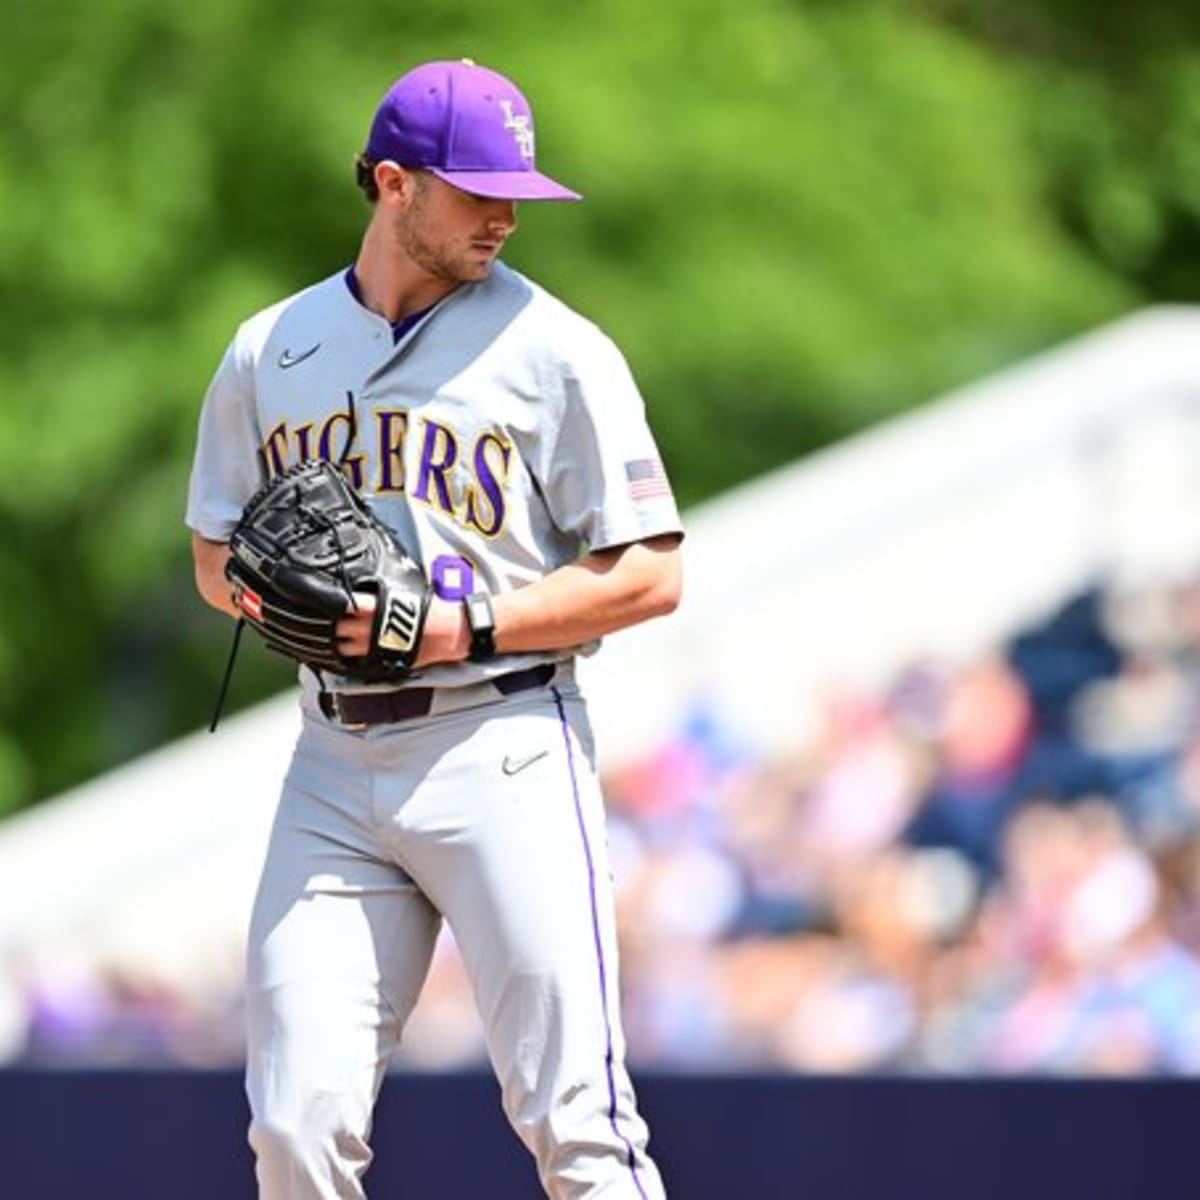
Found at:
<point>510,766</point>
<point>288,359</point>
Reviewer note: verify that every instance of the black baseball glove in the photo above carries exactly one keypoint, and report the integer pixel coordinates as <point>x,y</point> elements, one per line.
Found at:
<point>305,543</point>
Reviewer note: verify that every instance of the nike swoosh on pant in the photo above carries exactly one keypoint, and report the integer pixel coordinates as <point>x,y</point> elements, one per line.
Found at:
<point>510,766</point>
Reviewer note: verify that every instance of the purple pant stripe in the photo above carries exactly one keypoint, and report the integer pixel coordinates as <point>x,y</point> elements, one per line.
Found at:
<point>600,964</point>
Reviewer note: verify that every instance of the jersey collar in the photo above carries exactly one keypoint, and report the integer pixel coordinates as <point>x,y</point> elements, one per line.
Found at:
<point>399,328</point>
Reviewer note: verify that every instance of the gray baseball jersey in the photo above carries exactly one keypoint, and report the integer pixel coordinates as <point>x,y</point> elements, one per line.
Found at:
<point>501,436</point>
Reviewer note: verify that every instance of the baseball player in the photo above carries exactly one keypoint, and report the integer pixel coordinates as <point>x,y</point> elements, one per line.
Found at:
<point>502,437</point>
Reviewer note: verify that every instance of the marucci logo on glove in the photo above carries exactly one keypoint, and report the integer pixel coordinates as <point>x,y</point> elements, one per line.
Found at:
<point>398,628</point>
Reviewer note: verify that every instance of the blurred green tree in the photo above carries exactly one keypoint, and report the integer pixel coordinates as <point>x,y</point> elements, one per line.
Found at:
<point>802,218</point>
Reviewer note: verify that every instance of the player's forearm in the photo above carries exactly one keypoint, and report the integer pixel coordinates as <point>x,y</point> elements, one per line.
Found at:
<point>600,594</point>
<point>210,559</point>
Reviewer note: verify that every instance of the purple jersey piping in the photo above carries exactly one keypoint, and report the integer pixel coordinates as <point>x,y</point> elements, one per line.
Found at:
<point>603,972</point>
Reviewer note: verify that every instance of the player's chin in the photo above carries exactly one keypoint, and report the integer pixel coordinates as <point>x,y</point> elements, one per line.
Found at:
<point>481,258</point>
<point>474,273</point>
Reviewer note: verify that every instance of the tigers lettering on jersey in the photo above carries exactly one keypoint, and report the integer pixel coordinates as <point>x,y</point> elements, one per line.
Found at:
<point>439,453</point>
<point>277,447</point>
<point>469,488</point>
<point>393,427</point>
<point>485,505</point>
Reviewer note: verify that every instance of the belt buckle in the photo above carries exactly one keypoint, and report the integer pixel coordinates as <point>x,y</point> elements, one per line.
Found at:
<point>357,726</point>
<point>332,708</point>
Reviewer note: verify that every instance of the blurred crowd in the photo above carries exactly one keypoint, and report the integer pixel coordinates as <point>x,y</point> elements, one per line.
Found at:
<point>989,866</point>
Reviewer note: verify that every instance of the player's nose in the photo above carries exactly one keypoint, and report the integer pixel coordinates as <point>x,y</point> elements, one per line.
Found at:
<point>502,216</point>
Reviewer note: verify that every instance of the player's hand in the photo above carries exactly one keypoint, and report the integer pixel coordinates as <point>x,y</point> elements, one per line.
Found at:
<point>446,637</point>
<point>354,629</point>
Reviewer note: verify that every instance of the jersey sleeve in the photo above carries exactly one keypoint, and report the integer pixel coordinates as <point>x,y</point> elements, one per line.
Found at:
<point>226,468</point>
<point>604,478</point>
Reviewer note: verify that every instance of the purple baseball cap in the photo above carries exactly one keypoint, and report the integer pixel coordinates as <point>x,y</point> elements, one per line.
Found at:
<point>466,125</point>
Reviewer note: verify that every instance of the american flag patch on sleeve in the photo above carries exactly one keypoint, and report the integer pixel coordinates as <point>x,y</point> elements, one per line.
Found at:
<point>646,479</point>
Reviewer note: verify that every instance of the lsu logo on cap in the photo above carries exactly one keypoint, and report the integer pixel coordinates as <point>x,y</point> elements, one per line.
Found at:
<point>518,125</point>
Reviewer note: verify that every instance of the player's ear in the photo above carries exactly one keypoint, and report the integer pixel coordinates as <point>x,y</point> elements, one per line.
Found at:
<point>394,182</point>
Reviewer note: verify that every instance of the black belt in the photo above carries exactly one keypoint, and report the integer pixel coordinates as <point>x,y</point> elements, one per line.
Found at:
<point>381,708</point>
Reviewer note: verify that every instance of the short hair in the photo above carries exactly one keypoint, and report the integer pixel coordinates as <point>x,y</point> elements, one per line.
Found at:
<point>364,175</point>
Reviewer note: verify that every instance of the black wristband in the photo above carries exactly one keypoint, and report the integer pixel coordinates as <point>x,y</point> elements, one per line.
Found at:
<point>481,621</point>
